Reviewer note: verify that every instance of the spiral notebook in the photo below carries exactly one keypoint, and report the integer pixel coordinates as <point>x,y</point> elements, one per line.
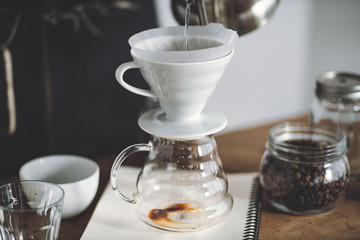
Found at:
<point>115,219</point>
<point>252,224</point>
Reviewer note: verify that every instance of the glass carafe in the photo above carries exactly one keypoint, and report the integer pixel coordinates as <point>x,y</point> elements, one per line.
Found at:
<point>182,185</point>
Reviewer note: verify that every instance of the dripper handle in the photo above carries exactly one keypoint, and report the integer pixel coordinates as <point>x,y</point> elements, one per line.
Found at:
<point>119,77</point>
<point>141,147</point>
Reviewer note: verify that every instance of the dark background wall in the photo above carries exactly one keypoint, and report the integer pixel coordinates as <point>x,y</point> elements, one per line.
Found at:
<point>67,98</point>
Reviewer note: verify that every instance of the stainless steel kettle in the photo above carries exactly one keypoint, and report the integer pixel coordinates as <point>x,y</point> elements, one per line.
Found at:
<point>242,16</point>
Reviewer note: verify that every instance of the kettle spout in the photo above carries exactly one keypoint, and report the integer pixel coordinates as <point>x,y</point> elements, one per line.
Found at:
<point>243,16</point>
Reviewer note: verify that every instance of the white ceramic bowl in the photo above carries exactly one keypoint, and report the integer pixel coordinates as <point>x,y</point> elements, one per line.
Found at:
<point>78,176</point>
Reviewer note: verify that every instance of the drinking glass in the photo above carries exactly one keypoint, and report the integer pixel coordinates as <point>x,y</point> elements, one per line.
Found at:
<point>30,210</point>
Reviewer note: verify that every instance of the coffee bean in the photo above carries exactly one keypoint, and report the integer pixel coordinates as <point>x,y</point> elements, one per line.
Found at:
<point>301,185</point>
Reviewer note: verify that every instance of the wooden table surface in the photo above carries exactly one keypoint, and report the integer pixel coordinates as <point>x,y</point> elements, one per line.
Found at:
<point>241,151</point>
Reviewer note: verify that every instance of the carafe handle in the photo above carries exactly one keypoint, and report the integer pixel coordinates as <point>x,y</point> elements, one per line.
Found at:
<point>119,77</point>
<point>141,147</point>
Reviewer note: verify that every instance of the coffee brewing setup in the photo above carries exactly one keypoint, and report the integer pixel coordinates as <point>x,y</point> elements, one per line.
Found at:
<point>182,185</point>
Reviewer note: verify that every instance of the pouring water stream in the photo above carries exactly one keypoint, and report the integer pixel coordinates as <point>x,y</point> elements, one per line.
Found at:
<point>187,20</point>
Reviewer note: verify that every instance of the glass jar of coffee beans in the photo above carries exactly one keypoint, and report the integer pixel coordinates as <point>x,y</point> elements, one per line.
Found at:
<point>304,170</point>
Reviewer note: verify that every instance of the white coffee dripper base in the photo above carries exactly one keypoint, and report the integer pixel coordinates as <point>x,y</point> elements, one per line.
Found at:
<point>155,123</point>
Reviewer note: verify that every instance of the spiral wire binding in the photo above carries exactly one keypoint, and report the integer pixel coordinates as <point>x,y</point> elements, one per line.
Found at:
<point>252,224</point>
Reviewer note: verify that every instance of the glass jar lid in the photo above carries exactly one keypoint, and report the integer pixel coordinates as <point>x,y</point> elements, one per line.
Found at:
<point>338,86</point>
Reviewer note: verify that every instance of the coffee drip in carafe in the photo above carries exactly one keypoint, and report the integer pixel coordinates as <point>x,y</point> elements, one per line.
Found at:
<point>182,185</point>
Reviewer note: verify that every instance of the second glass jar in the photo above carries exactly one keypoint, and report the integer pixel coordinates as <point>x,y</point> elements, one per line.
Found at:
<point>337,105</point>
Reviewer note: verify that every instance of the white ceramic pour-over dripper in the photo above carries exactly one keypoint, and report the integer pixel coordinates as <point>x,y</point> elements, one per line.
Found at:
<point>181,80</point>
<point>181,88</point>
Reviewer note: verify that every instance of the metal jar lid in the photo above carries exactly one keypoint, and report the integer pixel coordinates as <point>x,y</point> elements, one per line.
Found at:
<point>338,86</point>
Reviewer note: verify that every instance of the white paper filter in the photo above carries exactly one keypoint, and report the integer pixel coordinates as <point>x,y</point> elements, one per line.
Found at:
<point>167,44</point>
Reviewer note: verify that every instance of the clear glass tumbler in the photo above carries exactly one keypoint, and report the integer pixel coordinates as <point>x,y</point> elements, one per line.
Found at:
<point>30,210</point>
